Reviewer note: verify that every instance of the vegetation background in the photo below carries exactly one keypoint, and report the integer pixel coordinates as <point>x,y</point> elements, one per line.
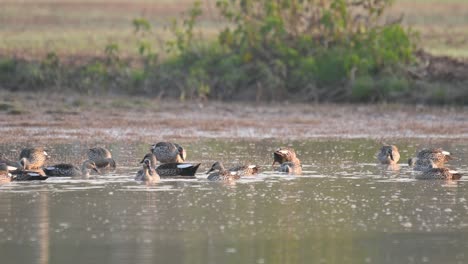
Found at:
<point>410,51</point>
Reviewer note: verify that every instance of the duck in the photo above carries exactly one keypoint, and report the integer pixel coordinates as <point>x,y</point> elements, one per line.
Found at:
<point>288,161</point>
<point>33,158</point>
<point>102,157</point>
<point>172,170</point>
<point>67,170</point>
<point>152,163</point>
<point>147,174</point>
<point>168,152</point>
<point>437,155</point>
<point>439,174</point>
<point>234,173</point>
<point>388,155</point>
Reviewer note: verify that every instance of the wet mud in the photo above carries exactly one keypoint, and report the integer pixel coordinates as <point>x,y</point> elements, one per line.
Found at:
<point>62,118</point>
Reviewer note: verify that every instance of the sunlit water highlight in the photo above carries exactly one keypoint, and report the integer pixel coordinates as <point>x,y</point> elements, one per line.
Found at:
<point>344,209</point>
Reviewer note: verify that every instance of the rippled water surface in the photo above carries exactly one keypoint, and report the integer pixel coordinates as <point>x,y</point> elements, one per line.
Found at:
<point>344,209</point>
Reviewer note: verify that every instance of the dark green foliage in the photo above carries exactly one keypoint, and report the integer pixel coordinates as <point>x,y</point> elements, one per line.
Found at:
<point>363,88</point>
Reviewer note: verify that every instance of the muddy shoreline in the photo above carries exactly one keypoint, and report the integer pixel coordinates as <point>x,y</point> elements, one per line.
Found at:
<point>61,118</point>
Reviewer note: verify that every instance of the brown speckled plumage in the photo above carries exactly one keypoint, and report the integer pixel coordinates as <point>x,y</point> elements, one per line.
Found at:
<point>437,155</point>
<point>388,155</point>
<point>429,158</point>
<point>233,173</point>
<point>33,158</point>
<point>167,152</point>
<point>102,157</point>
<point>147,173</point>
<point>288,160</point>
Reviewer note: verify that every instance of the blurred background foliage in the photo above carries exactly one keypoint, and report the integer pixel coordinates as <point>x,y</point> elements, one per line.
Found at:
<point>295,50</point>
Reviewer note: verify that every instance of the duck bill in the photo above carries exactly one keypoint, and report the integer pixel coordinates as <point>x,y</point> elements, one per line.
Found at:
<point>210,171</point>
<point>97,170</point>
<point>391,157</point>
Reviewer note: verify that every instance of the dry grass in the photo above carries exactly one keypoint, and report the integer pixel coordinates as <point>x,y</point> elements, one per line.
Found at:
<point>31,28</point>
<point>443,24</point>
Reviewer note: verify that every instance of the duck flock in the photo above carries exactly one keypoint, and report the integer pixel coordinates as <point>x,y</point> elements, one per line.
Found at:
<point>430,163</point>
<point>167,160</point>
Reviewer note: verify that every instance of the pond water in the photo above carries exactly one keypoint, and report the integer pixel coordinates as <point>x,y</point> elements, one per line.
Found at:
<point>343,209</point>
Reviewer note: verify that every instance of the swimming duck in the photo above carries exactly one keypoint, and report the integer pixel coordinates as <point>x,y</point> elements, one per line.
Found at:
<point>67,170</point>
<point>233,173</point>
<point>102,157</point>
<point>288,160</point>
<point>172,170</point>
<point>33,158</point>
<point>167,152</point>
<point>435,154</point>
<point>429,158</point>
<point>147,174</point>
<point>388,155</point>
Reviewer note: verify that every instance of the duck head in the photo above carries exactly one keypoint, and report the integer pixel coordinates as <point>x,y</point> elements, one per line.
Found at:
<point>88,166</point>
<point>182,153</point>
<point>390,153</point>
<point>216,166</point>
<point>152,147</point>
<point>282,155</point>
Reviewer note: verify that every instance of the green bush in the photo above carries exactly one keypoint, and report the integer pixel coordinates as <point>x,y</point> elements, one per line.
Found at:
<point>363,88</point>
<point>290,48</point>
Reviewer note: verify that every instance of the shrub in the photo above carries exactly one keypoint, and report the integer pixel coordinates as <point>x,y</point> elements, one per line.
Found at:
<point>291,48</point>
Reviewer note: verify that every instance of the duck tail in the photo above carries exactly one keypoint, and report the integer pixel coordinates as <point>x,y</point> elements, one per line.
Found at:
<point>456,175</point>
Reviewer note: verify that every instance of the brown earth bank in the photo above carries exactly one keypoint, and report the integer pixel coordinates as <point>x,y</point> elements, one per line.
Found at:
<point>441,68</point>
<point>39,118</point>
